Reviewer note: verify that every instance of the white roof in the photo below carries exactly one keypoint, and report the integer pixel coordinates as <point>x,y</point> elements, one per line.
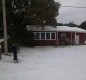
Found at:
<point>57,28</point>
<point>72,29</point>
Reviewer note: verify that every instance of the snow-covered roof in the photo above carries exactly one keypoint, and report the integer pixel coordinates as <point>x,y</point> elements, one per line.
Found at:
<point>1,40</point>
<point>67,28</point>
<point>57,28</point>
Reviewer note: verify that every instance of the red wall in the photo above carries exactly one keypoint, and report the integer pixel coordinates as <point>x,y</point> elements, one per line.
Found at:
<point>81,38</point>
<point>69,35</point>
<point>85,36</point>
<point>45,42</point>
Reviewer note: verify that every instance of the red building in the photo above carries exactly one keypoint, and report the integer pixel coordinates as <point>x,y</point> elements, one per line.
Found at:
<point>61,35</point>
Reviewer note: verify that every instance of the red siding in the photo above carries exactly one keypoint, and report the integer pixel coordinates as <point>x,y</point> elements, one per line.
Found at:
<point>81,38</point>
<point>85,36</point>
<point>45,42</point>
<point>73,37</point>
<point>69,36</point>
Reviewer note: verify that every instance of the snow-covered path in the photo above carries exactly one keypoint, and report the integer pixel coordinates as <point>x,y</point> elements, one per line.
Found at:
<point>46,63</point>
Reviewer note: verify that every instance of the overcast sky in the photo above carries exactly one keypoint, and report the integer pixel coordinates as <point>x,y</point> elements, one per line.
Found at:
<point>69,14</point>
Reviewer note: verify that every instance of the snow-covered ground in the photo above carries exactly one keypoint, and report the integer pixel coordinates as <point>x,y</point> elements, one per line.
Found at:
<point>46,63</point>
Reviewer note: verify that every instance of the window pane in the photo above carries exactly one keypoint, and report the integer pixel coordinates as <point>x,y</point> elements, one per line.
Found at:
<point>47,35</point>
<point>37,35</point>
<point>42,35</point>
<point>52,35</point>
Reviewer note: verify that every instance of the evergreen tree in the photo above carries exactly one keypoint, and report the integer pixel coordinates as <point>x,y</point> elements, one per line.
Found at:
<point>1,20</point>
<point>16,18</point>
<point>43,12</point>
<point>83,25</point>
<point>60,24</point>
<point>72,24</point>
<point>34,12</point>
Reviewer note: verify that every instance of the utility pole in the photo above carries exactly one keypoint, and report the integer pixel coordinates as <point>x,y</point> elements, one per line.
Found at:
<point>5,27</point>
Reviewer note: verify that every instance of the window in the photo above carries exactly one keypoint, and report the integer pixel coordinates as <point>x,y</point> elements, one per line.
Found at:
<point>37,35</point>
<point>42,35</point>
<point>47,35</point>
<point>52,35</point>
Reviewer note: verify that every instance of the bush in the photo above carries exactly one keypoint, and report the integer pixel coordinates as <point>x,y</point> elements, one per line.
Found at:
<point>27,39</point>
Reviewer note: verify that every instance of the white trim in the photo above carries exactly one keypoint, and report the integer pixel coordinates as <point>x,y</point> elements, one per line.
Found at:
<point>75,38</point>
<point>71,37</point>
<point>84,38</point>
<point>57,38</point>
<point>45,35</point>
<point>50,36</point>
<point>40,36</point>
<point>55,35</point>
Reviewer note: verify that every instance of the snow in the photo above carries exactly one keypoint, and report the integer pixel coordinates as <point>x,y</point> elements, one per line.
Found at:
<point>46,63</point>
<point>1,40</point>
<point>67,28</point>
<point>57,28</point>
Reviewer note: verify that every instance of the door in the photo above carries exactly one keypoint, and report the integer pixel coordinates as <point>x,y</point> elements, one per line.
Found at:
<point>77,39</point>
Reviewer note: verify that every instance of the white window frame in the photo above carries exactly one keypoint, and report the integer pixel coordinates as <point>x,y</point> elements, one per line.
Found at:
<point>45,35</point>
<point>41,36</point>
<point>50,36</point>
<point>55,35</point>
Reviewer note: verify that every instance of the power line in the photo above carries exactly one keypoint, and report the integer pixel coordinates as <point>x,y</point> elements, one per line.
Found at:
<point>74,6</point>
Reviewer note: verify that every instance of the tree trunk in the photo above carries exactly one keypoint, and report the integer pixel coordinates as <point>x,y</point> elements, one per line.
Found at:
<point>43,27</point>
